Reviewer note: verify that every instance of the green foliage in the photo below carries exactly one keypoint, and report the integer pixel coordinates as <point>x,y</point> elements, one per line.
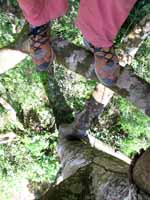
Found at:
<point>123,126</point>
<point>30,158</point>
<point>65,26</point>
<point>141,64</point>
<point>32,155</point>
<point>136,125</point>
<point>9,26</point>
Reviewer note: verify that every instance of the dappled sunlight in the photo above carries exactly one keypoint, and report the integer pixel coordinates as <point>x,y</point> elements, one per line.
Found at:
<point>9,59</point>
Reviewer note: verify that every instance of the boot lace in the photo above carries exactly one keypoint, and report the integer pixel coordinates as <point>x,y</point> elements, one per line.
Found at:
<point>39,36</point>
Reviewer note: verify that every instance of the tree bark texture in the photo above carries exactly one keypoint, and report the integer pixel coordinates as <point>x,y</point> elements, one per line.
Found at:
<point>141,171</point>
<point>93,171</point>
<point>93,108</point>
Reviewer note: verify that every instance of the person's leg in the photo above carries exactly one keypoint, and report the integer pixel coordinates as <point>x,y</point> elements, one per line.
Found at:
<point>39,13</point>
<point>100,21</point>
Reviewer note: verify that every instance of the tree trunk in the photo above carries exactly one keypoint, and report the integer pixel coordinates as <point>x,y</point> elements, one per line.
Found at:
<point>93,171</point>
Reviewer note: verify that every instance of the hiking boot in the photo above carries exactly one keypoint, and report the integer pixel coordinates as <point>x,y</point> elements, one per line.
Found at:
<point>107,66</point>
<point>41,51</point>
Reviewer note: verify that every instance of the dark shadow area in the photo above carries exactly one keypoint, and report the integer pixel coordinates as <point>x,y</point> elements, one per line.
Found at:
<point>62,112</point>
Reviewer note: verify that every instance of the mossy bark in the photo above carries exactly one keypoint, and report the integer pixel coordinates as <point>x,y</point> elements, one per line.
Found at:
<point>92,171</point>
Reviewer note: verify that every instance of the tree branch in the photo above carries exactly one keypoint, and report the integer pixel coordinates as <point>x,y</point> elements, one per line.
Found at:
<point>80,61</point>
<point>128,85</point>
<point>92,170</point>
<point>141,171</point>
<point>93,108</point>
<point>9,109</point>
<point>132,42</point>
<point>7,138</point>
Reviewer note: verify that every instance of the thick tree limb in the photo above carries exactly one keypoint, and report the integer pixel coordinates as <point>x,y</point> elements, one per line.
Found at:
<point>12,115</point>
<point>9,109</point>
<point>128,85</point>
<point>93,108</point>
<point>10,56</point>
<point>92,170</point>
<point>7,138</point>
<point>9,59</point>
<point>80,61</point>
<point>141,171</point>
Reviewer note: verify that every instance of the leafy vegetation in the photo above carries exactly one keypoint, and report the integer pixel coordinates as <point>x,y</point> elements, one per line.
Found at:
<point>41,103</point>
